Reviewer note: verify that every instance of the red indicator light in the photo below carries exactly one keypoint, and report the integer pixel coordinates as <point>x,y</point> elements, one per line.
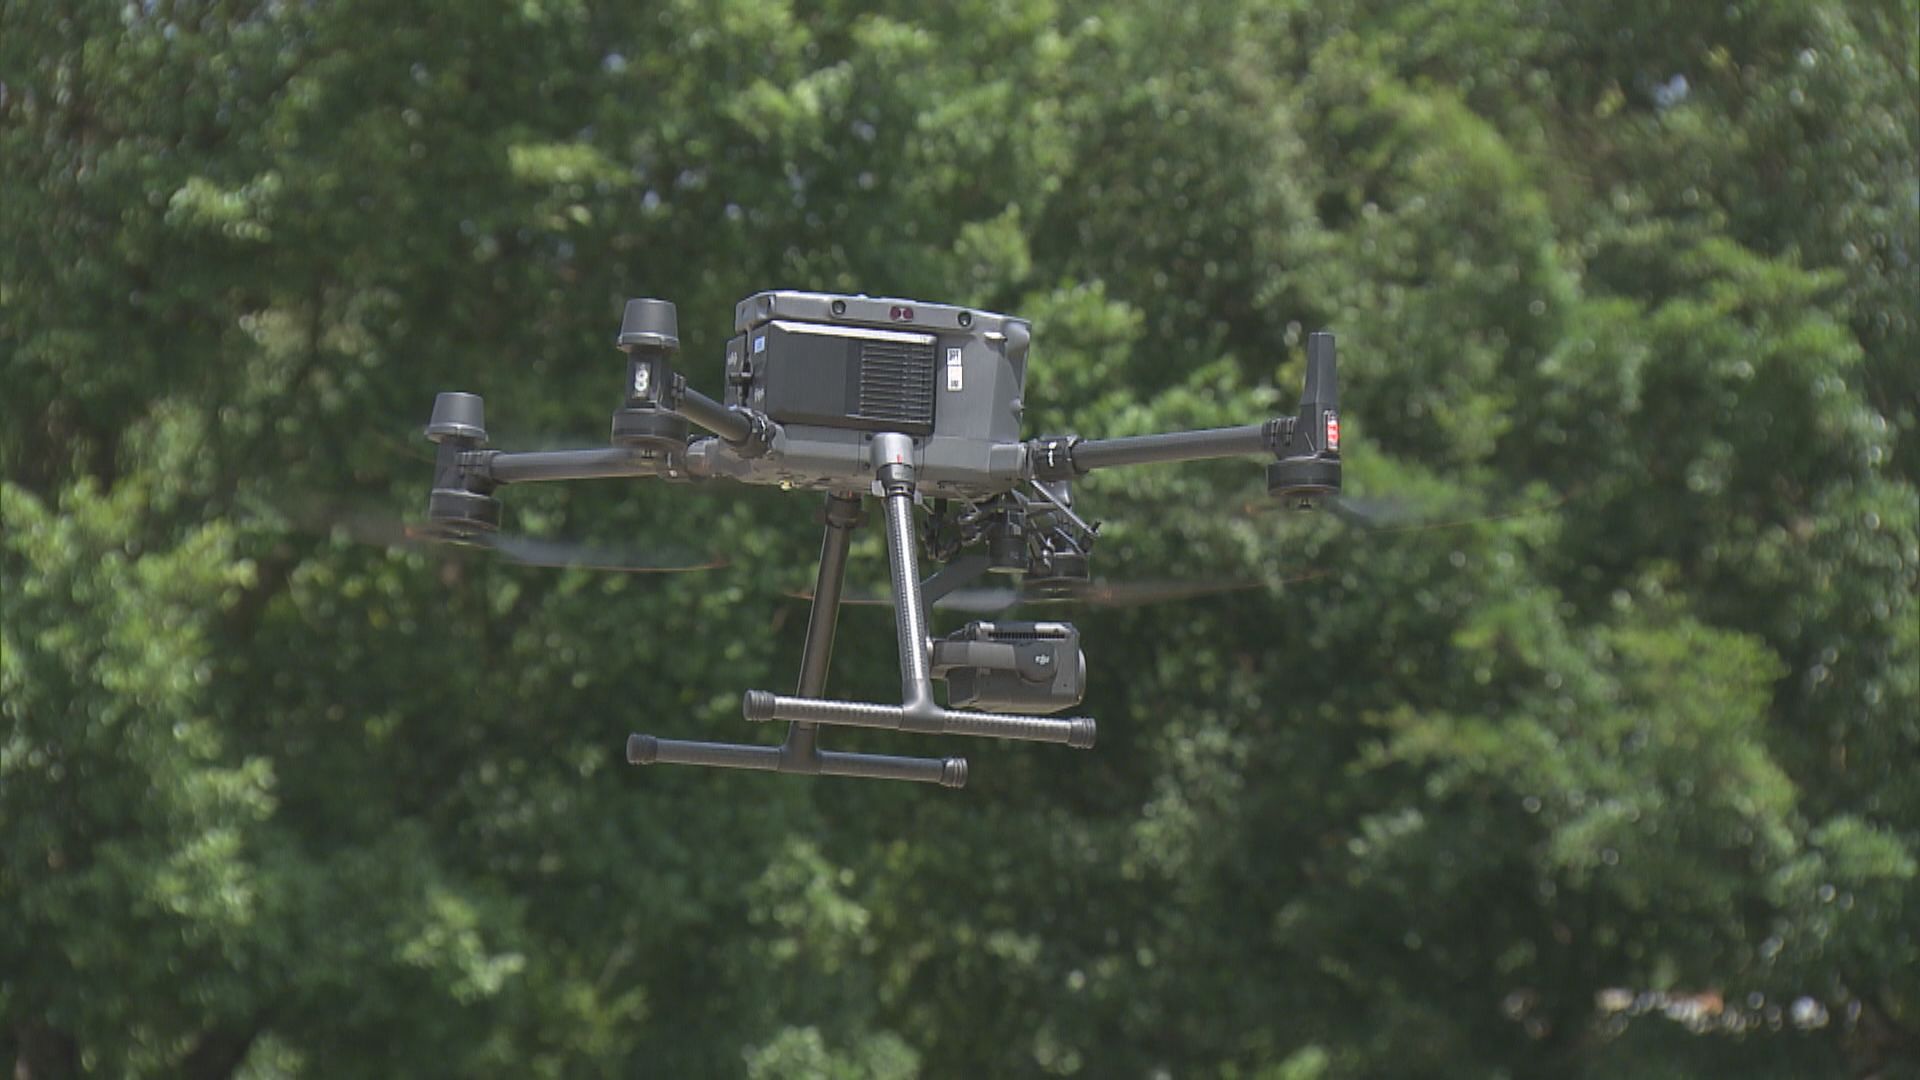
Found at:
<point>1333,432</point>
<point>899,313</point>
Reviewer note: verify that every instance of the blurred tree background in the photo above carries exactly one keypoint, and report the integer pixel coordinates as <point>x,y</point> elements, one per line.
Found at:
<point>1598,760</point>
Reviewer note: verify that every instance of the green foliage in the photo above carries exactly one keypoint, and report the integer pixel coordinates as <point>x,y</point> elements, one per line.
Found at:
<point>127,822</point>
<point>1595,760</point>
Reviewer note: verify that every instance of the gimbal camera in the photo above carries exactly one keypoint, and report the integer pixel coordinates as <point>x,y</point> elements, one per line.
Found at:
<point>912,403</point>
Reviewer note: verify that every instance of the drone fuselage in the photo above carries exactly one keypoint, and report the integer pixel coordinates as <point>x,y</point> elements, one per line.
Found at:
<point>834,371</point>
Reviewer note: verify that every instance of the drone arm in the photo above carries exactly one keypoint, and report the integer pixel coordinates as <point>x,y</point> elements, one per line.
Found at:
<point>650,336</point>
<point>733,425</point>
<point>749,432</point>
<point>1069,457</point>
<point>466,472</point>
<point>501,467</point>
<point>1306,445</point>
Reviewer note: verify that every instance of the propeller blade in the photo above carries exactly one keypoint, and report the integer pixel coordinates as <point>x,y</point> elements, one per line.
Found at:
<point>979,601</point>
<point>412,448</point>
<point>1373,513</point>
<point>385,530</point>
<point>974,601</point>
<point>569,555</point>
<point>1367,512</point>
<point>1388,514</point>
<point>1097,593</point>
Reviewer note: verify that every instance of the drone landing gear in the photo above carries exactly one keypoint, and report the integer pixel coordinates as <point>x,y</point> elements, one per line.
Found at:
<point>918,712</point>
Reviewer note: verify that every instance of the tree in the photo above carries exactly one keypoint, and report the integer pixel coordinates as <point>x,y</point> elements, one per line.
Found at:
<point>1585,758</point>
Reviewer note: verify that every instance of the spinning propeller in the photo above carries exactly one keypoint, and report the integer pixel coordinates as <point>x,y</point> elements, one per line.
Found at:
<point>1088,593</point>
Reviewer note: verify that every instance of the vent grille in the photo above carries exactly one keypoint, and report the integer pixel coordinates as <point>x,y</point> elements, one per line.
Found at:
<point>896,381</point>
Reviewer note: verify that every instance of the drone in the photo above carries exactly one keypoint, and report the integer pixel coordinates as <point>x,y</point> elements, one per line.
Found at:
<point>917,405</point>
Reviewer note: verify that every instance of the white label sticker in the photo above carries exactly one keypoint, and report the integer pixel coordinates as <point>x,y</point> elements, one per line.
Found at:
<point>760,344</point>
<point>954,370</point>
